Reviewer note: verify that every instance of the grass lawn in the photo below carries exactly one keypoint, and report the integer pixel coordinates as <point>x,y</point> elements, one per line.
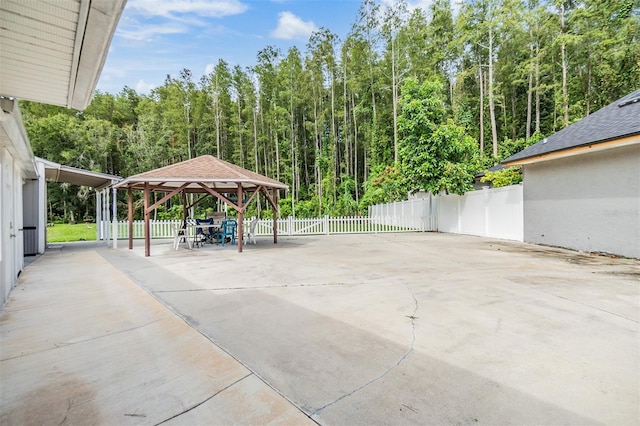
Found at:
<point>62,232</point>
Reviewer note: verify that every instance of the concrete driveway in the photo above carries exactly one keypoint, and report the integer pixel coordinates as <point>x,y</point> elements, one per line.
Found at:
<point>416,328</point>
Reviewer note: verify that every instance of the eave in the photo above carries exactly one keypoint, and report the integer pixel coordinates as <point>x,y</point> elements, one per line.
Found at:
<point>578,150</point>
<point>52,51</point>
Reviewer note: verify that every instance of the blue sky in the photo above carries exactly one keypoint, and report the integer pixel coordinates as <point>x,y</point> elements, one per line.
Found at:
<point>159,37</point>
<point>155,38</point>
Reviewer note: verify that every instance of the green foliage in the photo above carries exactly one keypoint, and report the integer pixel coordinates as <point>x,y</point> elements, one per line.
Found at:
<point>174,212</point>
<point>385,184</point>
<point>509,147</point>
<point>504,177</point>
<point>435,155</point>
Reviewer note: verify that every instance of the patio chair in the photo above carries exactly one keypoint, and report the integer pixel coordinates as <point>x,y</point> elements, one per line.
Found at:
<point>227,229</point>
<point>251,231</point>
<point>180,234</point>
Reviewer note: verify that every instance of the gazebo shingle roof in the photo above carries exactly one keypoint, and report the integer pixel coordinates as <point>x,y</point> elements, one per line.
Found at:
<point>206,169</point>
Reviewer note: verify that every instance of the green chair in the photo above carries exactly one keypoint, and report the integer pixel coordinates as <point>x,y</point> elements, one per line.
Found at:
<point>227,229</point>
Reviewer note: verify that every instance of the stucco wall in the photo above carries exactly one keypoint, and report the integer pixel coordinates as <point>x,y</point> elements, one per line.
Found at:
<point>588,202</point>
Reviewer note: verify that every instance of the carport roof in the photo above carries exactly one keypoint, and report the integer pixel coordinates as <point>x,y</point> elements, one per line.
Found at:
<point>55,172</point>
<point>616,124</point>
<point>52,51</point>
<point>206,169</point>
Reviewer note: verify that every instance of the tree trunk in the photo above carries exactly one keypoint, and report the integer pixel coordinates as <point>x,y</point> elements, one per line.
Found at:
<point>481,118</point>
<point>336,164</point>
<point>537,78</point>
<point>394,95</point>
<point>355,146</point>
<point>492,112</point>
<point>275,122</point>
<point>563,50</point>
<point>529,92</point>
<point>318,145</point>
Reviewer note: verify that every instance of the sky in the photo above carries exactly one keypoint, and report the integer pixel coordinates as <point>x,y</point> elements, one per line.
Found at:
<point>159,37</point>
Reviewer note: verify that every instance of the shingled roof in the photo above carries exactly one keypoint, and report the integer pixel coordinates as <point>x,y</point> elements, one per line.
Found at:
<point>619,120</point>
<point>206,169</point>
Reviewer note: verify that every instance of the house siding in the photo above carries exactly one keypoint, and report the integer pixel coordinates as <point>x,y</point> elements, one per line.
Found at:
<point>588,202</point>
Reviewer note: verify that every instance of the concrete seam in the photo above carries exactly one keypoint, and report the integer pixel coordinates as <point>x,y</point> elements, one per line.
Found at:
<point>186,321</point>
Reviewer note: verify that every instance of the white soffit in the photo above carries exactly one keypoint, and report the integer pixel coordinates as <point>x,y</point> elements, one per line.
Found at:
<point>55,172</point>
<point>52,51</point>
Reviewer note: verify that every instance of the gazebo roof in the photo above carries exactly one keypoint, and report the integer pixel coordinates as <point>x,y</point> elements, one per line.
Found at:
<point>206,169</point>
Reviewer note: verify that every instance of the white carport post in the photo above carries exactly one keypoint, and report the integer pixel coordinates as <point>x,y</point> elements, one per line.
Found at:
<point>98,215</point>
<point>107,219</point>
<point>114,217</point>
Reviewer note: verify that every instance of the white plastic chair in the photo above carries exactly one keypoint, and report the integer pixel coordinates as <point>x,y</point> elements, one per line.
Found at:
<point>179,236</point>
<point>250,234</point>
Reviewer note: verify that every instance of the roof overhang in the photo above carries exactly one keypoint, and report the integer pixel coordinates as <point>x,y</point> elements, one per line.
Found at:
<point>55,172</point>
<point>578,150</point>
<point>14,138</point>
<point>193,184</point>
<point>53,52</point>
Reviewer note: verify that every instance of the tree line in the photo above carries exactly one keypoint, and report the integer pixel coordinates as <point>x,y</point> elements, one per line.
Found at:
<point>408,100</point>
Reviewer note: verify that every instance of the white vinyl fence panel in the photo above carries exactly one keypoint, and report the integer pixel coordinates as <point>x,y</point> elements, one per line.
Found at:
<point>494,213</point>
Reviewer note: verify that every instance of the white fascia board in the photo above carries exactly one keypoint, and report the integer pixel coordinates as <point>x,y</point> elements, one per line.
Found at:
<point>176,182</point>
<point>92,46</point>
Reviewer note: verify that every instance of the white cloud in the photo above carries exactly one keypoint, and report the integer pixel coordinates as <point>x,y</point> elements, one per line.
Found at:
<point>144,88</point>
<point>209,69</point>
<point>173,8</point>
<point>291,27</point>
<point>148,32</point>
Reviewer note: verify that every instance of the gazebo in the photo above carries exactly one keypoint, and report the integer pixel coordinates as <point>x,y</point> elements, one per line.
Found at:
<point>204,175</point>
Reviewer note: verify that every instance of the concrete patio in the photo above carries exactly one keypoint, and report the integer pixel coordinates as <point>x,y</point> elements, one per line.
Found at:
<point>417,328</point>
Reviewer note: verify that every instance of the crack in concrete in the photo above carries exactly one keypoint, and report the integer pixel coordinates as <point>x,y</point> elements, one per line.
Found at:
<point>261,287</point>
<point>64,344</point>
<point>584,304</point>
<point>205,400</point>
<point>413,318</point>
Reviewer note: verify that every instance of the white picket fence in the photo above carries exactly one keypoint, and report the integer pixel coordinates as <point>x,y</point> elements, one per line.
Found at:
<point>420,214</point>
<point>287,227</point>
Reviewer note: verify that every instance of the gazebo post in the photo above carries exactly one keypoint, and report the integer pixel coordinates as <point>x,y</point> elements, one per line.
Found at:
<point>130,218</point>
<point>183,196</point>
<point>240,217</point>
<point>147,242</point>
<point>275,219</point>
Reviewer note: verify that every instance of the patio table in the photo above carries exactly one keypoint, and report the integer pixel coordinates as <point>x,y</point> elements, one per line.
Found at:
<point>213,229</point>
